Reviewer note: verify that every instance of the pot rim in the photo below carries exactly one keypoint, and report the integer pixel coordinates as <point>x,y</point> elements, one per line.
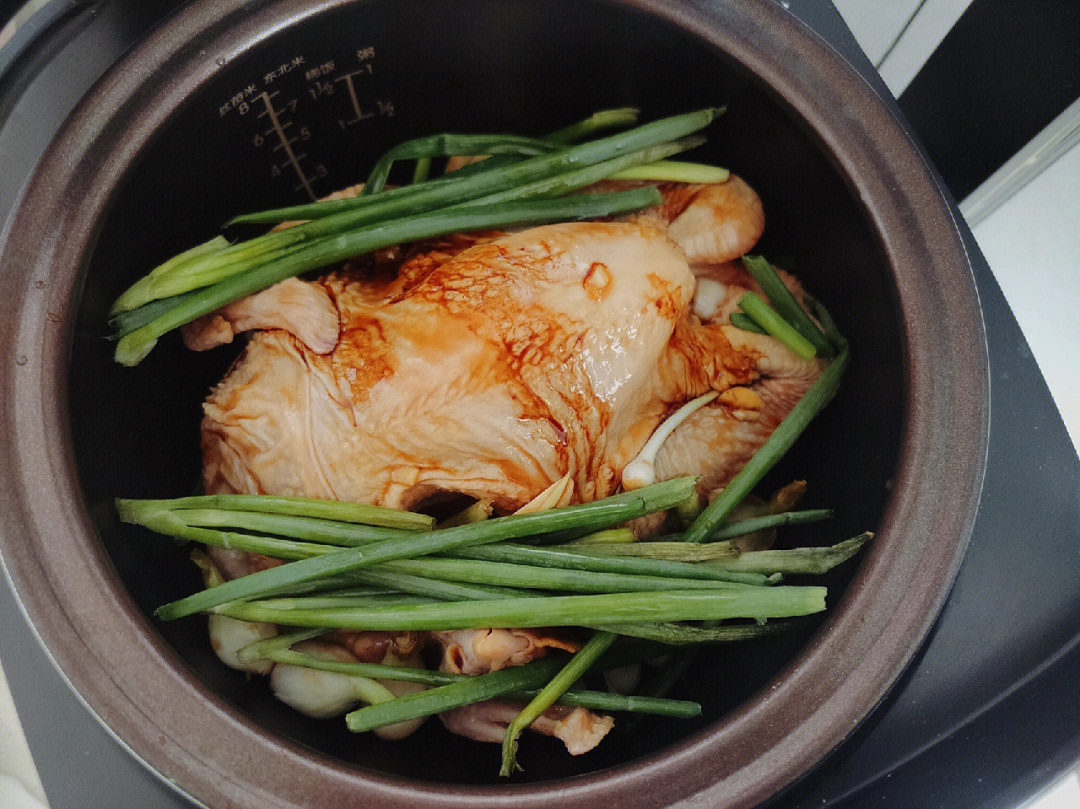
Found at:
<point>139,688</point>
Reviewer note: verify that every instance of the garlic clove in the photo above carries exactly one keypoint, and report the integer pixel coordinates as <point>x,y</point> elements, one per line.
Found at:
<point>228,636</point>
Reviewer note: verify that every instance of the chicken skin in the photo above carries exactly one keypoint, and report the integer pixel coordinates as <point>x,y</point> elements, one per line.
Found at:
<point>553,351</point>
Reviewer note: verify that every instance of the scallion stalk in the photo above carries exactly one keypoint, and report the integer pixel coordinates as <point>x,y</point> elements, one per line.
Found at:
<point>531,577</point>
<point>133,297</point>
<point>593,700</point>
<point>338,510</point>
<point>603,559</point>
<point>770,320</point>
<point>595,515</point>
<point>752,525</point>
<point>435,588</point>
<point>746,323</point>
<point>132,347</point>
<point>828,325</point>
<point>611,536</point>
<point>576,668</point>
<point>798,561</point>
<point>674,171</point>
<point>781,298</point>
<point>450,189</point>
<point>310,529</point>
<point>477,512</point>
<point>597,122</point>
<point>818,395</point>
<point>283,641</point>
<point>447,144</point>
<point>572,610</point>
<point>454,695</point>
<point>421,170</point>
<point>676,552</point>
<point>673,634</point>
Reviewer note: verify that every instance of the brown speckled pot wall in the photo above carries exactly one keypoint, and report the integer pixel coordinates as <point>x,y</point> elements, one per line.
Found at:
<point>131,677</point>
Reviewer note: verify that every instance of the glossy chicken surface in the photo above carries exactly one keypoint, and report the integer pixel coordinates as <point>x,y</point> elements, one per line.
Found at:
<point>492,365</point>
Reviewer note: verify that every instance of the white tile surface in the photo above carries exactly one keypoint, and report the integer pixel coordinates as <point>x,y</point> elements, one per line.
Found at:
<point>934,19</point>
<point>1032,243</point>
<point>19,784</point>
<point>877,25</point>
<point>1065,794</point>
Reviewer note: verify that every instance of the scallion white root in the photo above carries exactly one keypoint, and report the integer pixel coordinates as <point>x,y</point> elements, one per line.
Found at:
<point>641,471</point>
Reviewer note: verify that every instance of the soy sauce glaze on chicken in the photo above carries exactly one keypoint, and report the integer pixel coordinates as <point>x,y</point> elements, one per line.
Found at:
<point>490,366</point>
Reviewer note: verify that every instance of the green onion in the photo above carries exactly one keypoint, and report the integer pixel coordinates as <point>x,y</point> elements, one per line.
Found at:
<point>134,346</point>
<point>447,144</point>
<point>611,536</point>
<point>132,297</point>
<point>330,532</point>
<point>447,697</point>
<point>477,512</point>
<point>765,521</point>
<point>781,298</point>
<point>730,530</point>
<point>421,170</point>
<point>597,122</point>
<point>603,559</point>
<point>573,610</point>
<point>827,324</point>
<point>338,510</point>
<point>605,701</point>
<point>771,322</point>
<point>579,664</point>
<point>167,522</point>
<point>392,204</point>
<point>771,451</point>
<point>795,561</point>
<point>660,551</point>
<point>595,515</point>
<point>545,578</point>
<point>746,323</point>
<point>667,633</point>
<point>594,700</point>
<point>457,189</point>
<point>379,671</point>
<point>569,181</point>
<point>343,599</point>
<point>674,171</point>
<point>689,509</point>
<point>262,649</point>
<point>683,634</point>
<point>126,322</point>
<point>426,586</point>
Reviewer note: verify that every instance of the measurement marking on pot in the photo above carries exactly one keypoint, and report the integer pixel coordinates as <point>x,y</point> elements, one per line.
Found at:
<point>360,115</point>
<point>284,125</point>
<point>286,144</point>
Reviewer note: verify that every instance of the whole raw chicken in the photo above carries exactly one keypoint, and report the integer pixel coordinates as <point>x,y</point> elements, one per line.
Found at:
<point>492,365</point>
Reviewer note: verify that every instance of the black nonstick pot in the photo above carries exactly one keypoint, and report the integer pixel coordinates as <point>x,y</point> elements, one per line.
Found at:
<point>233,106</point>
